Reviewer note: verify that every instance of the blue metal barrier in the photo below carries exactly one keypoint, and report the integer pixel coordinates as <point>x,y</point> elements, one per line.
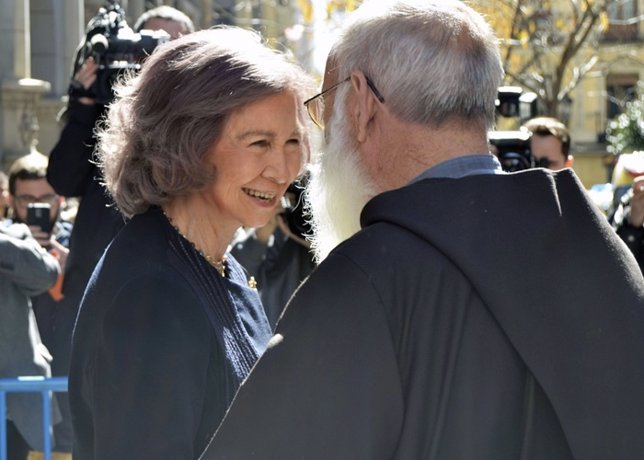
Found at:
<point>43,385</point>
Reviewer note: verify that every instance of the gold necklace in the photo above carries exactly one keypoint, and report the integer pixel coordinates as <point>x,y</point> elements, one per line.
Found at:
<point>220,265</point>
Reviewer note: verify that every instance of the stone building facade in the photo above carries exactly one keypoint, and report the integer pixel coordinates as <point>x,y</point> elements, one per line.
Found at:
<point>38,39</point>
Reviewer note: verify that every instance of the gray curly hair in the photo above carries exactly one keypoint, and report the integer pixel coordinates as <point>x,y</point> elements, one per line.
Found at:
<point>153,144</point>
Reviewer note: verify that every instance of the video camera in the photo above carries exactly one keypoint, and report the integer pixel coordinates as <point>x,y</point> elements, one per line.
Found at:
<point>115,47</point>
<point>513,147</point>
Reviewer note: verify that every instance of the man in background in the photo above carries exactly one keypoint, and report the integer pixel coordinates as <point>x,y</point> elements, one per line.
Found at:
<point>26,270</point>
<point>550,143</point>
<point>28,186</point>
<point>475,314</point>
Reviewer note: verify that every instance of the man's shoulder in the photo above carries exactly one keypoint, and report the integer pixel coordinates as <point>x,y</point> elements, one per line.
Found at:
<point>387,251</point>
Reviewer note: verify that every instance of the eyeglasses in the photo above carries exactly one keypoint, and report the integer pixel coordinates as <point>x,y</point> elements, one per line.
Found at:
<point>25,200</point>
<point>315,105</point>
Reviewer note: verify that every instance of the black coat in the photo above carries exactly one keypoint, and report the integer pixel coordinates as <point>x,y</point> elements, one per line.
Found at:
<point>160,346</point>
<point>488,317</point>
<point>73,172</point>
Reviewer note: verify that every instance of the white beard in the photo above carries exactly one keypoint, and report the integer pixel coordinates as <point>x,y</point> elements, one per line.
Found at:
<point>338,188</point>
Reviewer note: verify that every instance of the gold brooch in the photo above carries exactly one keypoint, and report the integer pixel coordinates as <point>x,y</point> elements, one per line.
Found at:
<point>252,283</point>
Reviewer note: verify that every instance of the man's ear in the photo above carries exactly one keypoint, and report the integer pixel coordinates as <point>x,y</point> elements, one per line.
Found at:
<point>569,161</point>
<point>365,104</point>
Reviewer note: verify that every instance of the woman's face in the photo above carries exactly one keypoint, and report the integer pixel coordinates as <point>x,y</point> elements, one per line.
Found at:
<point>260,152</point>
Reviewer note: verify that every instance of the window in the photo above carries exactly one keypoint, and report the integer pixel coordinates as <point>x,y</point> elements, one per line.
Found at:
<point>622,20</point>
<point>620,88</point>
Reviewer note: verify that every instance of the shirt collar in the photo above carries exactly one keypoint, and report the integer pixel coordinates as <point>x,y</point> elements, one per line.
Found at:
<point>468,165</point>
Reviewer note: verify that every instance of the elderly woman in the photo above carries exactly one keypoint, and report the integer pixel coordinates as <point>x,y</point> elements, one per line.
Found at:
<point>204,140</point>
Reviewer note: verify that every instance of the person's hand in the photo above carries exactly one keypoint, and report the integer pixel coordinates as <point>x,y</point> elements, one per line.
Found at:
<point>43,238</point>
<point>636,215</point>
<point>86,76</point>
<point>60,252</point>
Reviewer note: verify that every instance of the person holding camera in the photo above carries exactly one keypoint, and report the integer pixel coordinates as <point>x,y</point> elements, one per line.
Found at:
<point>549,143</point>
<point>26,270</point>
<point>459,311</point>
<point>35,203</point>
<point>205,140</point>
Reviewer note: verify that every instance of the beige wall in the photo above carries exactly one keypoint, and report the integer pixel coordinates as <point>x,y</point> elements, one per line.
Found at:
<point>589,109</point>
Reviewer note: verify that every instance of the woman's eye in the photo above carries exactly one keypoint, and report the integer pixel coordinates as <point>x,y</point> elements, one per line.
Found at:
<point>263,143</point>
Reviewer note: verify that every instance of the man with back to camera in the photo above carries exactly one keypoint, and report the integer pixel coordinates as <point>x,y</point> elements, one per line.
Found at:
<point>435,331</point>
<point>550,143</point>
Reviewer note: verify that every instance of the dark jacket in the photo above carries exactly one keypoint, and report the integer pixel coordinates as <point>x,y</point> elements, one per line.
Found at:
<point>73,172</point>
<point>488,317</point>
<point>160,346</point>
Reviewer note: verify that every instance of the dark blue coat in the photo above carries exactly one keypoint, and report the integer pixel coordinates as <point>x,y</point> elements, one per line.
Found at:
<point>160,346</point>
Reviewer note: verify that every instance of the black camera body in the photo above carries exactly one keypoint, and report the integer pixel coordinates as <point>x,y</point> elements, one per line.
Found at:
<point>513,147</point>
<point>39,215</point>
<point>115,47</point>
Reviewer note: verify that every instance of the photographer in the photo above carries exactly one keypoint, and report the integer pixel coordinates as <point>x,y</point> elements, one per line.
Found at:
<point>28,186</point>
<point>549,143</point>
<point>34,202</point>
<point>26,270</point>
<point>72,171</point>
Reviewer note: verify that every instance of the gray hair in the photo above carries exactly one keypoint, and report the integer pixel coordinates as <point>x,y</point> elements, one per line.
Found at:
<point>431,60</point>
<point>164,121</point>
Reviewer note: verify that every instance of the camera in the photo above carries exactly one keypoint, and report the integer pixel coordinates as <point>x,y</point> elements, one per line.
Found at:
<point>115,47</point>
<point>512,147</point>
<point>39,215</point>
<point>293,204</point>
